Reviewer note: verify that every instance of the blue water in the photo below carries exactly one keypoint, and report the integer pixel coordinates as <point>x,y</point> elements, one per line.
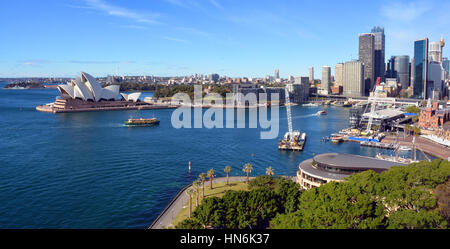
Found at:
<point>86,170</point>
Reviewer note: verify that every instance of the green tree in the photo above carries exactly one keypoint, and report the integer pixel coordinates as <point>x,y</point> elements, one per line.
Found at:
<point>227,171</point>
<point>189,192</point>
<point>202,178</point>
<point>269,171</point>
<point>197,183</point>
<point>412,109</point>
<point>247,168</point>
<point>211,176</point>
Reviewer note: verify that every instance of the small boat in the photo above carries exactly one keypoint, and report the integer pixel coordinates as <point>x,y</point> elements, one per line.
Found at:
<point>141,122</point>
<point>404,148</point>
<point>310,104</point>
<point>321,112</point>
<point>337,139</point>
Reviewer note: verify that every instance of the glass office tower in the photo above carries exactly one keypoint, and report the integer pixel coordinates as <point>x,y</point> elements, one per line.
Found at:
<point>420,68</point>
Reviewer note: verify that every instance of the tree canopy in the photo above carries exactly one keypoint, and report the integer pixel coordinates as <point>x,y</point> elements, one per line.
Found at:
<point>412,197</point>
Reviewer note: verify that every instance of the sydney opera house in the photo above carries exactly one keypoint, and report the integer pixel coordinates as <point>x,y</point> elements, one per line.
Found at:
<point>86,94</point>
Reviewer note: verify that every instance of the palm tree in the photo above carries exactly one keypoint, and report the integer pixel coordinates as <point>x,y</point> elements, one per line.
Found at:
<point>189,193</point>
<point>227,170</point>
<point>211,176</point>
<point>197,184</point>
<point>202,177</point>
<point>247,168</point>
<point>269,171</point>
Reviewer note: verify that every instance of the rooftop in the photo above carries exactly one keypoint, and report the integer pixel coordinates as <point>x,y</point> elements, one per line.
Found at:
<point>353,161</point>
<point>385,113</point>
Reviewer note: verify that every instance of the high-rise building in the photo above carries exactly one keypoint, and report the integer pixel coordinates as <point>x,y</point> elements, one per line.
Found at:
<point>311,74</point>
<point>435,80</point>
<point>379,65</point>
<point>326,79</point>
<point>353,83</point>
<point>435,52</point>
<point>446,64</point>
<point>366,56</point>
<point>339,74</point>
<point>411,73</point>
<point>398,67</point>
<point>420,68</point>
<point>277,73</point>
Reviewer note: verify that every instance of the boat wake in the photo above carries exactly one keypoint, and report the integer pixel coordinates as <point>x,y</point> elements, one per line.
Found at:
<point>305,116</point>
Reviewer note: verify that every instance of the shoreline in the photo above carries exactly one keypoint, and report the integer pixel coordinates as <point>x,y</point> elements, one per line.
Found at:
<point>166,216</point>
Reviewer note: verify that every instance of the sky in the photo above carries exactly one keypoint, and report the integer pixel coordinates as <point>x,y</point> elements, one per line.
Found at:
<point>237,38</point>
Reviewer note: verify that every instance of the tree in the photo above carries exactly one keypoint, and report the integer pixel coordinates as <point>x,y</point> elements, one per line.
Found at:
<point>202,177</point>
<point>269,171</point>
<point>189,192</point>
<point>227,170</point>
<point>197,184</point>
<point>211,176</point>
<point>247,168</point>
<point>412,109</point>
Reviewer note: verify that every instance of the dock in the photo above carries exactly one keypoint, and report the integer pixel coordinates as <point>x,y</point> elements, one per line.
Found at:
<point>388,146</point>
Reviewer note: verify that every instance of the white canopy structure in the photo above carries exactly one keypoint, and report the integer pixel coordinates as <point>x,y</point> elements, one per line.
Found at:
<point>131,97</point>
<point>87,88</point>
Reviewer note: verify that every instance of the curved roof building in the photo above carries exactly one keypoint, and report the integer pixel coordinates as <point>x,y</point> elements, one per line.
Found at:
<point>88,89</point>
<point>329,167</point>
<point>131,97</point>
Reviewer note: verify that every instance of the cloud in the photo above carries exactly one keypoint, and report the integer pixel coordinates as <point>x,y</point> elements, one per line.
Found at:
<point>36,62</point>
<point>133,27</point>
<point>405,12</point>
<point>174,39</point>
<point>113,10</point>
<point>100,62</point>
<point>215,3</point>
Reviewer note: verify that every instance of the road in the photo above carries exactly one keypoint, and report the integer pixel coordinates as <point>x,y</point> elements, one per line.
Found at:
<point>422,144</point>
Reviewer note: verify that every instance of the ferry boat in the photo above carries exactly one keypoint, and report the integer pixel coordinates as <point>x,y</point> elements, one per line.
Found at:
<point>337,139</point>
<point>296,143</point>
<point>321,112</point>
<point>141,122</point>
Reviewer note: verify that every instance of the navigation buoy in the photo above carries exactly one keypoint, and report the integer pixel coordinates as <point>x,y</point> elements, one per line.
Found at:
<point>189,165</point>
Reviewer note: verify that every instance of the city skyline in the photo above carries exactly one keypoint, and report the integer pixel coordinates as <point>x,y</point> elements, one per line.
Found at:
<point>175,38</point>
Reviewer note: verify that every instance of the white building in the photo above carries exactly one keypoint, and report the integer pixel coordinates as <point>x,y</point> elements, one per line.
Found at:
<point>87,88</point>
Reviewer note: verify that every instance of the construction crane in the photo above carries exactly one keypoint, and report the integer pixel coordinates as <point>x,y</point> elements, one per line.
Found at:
<point>288,113</point>
<point>373,105</point>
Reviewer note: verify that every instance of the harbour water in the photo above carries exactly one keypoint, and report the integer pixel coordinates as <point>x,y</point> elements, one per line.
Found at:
<point>87,170</point>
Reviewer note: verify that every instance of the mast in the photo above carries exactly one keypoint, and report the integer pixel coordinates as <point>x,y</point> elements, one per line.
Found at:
<point>288,113</point>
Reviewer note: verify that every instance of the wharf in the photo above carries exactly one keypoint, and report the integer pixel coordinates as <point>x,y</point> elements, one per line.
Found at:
<point>389,146</point>
<point>422,144</point>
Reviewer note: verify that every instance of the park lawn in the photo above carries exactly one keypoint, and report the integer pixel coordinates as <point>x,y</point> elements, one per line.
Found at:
<point>218,190</point>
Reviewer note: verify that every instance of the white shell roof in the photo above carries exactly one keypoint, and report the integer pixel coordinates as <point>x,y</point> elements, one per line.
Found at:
<point>87,88</point>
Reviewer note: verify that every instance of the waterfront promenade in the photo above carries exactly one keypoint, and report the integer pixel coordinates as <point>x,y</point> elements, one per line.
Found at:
<point>422,144</point>
<point>164,220</point>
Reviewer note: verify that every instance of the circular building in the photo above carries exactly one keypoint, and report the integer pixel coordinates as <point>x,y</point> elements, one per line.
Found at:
<point>328,167</point>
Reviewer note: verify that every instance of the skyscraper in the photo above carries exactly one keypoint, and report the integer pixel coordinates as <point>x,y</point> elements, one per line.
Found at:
<point>326,79</point>
<point>277,73</point>
<point>435,52</point>
<point>311,74</point>
<point>367,57</point>
<point>379,65</point>
<point>399,68</point>
<point>353,83</point>
<point>446,64</point>
<point>420,68</point>
<point>339,73</point>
